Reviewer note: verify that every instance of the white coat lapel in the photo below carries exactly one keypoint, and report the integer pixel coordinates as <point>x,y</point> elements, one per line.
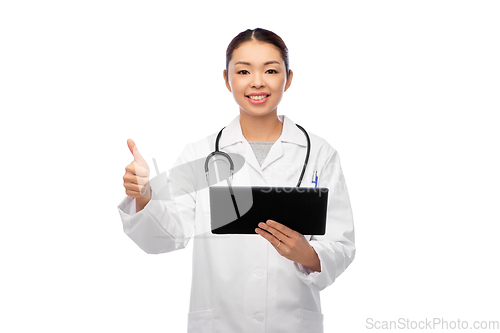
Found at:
<point>232,134</point>
<point>290,134</point>
<point>275,153</point>
<point>247,151</point>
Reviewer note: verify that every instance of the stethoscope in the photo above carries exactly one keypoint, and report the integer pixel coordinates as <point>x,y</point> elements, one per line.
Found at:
<point>231,164</point>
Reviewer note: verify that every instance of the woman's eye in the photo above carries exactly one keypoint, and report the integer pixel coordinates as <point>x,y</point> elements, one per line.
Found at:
<point>244,71</point>
<point>272,71</point>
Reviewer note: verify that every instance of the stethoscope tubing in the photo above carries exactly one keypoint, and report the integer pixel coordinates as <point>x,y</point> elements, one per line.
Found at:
<point>231,164</point>
<point>307,154</point>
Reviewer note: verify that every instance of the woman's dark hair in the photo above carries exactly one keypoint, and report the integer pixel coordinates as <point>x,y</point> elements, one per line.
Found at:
<point>261,35</point>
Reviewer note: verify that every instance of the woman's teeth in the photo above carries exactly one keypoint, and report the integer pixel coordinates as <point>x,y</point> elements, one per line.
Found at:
<point>257,98</point>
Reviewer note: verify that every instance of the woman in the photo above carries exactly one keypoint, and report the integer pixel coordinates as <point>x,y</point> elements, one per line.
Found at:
<point>250,283</point>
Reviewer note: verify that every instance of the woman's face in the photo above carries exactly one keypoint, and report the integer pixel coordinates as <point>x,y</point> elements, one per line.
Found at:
<point>257,78</point>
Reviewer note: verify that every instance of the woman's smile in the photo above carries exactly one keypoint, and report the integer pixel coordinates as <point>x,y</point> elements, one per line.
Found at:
<point>257,98</point>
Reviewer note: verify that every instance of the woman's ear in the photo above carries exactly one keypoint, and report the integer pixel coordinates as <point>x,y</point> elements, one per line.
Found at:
<point>288,80</point>
<point>226,79</point>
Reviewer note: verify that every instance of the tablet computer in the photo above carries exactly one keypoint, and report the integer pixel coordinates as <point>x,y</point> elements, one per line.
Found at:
<point>239,209</point>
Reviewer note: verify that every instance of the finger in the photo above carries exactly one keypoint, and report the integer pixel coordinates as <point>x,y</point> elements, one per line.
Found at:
<point>271,231</point>
<point>135,194</point>
<point>279,245</point>
<point>135,152</point>
<point>131,193</point>
<point>133,179</point>
<point>270,237</point>
<point>133,187</point>
<point>278,234</point>
<point>282,228</point>
<point>142,189</point>
<point>141,181</point>
<point>135,168</point>
<point>130,178</point>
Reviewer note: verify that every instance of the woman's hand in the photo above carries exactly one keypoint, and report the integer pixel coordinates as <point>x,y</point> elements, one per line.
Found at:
<point>136,178</point>
<point>290,244</point>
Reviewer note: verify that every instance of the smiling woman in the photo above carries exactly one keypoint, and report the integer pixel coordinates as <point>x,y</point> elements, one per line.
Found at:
<point>270,281</point>
<point>257,77</point>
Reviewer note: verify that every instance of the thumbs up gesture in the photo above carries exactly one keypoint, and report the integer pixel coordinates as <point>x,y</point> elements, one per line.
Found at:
<point>136,178</point>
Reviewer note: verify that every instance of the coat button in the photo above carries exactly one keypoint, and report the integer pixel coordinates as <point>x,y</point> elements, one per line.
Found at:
<point>259,317</point>
<point>258,272</point>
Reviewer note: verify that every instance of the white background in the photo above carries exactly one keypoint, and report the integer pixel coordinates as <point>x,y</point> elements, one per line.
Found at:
<point>406,91</point>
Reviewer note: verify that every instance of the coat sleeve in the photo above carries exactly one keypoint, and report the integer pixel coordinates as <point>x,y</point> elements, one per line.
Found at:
<point>336,248</point>
<point>167,222</point>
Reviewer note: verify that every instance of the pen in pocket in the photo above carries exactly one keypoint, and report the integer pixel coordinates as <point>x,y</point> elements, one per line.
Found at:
<point>315,178</point>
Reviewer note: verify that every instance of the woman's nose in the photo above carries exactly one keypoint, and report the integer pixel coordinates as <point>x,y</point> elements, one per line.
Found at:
<point>257,81</point>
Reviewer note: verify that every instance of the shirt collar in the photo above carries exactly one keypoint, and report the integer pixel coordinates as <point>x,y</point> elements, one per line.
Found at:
<point>291,133</point>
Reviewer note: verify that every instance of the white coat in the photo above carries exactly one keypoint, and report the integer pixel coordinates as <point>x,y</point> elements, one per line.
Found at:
<point>241,283</point>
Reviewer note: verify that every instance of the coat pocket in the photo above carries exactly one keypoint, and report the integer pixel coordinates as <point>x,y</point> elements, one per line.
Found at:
<point>312,322</point>
<point>201,321</point>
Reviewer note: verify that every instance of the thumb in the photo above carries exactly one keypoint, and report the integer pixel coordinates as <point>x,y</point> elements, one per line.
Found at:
<point>133,149</point>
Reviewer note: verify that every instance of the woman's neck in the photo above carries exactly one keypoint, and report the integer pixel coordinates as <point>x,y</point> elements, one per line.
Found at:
<point>265,128</point>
